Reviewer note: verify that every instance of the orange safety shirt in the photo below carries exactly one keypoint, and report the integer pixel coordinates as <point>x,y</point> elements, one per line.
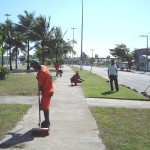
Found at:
<point>56,66</point>
<point>45,81</point>
<point>76,78</point>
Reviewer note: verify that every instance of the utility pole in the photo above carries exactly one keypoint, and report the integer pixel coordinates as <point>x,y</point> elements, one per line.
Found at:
<point>91,60</point>
<point>73,44</point>
<point>147,59</point>
<point>82,38</point>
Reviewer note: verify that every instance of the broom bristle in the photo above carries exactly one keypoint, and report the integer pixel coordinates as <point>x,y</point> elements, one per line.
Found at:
<point>40,132</point>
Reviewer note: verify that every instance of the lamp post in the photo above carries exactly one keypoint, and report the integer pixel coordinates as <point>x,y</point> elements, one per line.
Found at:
<point>91,60</point>
<point>147,60</point>
<point>7,15</point>
<point>82,38</point>
<point>73,43</point>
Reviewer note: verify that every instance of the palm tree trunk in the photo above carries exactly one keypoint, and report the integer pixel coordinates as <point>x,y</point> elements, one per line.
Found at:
<point>28,67</point>
<point>16,58</point>
<point>2,59</point>
<point>10,57</point>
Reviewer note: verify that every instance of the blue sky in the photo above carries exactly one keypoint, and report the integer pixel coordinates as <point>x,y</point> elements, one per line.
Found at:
<point>105,23</point>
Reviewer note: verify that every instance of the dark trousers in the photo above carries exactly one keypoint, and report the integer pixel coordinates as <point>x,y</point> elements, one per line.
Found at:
<point>113,78</point>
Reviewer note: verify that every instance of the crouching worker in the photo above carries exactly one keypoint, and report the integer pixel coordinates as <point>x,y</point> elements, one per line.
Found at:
<point>76,79</point>
<point>46,88</point>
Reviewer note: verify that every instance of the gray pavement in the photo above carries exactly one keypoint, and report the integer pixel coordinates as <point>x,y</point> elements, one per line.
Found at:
<point>72,124</point>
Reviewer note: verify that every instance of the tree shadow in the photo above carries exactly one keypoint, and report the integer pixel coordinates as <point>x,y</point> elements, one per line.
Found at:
<point>17,140</point>
<point>108,92</point>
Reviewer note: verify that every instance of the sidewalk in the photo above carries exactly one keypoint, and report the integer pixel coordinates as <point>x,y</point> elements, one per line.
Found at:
<point>72,124</point>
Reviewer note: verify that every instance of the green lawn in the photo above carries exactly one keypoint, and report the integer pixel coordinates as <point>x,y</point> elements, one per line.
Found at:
<point>96,86</point>
<point>10,115</point>
<point>19,84</point>
<point>123,128</point>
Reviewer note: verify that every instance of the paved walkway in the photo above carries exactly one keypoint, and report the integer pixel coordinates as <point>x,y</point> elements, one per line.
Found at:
<point>72,125</point>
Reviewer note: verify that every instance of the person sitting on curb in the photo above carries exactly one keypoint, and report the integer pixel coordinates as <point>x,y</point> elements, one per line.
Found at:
<point>76,79</point>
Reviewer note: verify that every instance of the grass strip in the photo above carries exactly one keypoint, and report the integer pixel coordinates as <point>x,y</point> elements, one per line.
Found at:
<point>123,128</point>
<point>9,115</point>
<point>96,86</point>
<point>19,85</point>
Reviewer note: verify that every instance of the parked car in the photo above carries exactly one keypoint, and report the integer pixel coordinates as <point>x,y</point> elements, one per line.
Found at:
<point>124,66</point>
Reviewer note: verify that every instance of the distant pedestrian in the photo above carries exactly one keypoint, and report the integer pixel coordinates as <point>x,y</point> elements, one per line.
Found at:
<point>58,69</point>
<point>76,79</point>
<point>57,66</point>
<point>113,75</point>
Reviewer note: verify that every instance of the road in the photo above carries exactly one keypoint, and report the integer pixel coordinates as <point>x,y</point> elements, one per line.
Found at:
<point>134,80</point>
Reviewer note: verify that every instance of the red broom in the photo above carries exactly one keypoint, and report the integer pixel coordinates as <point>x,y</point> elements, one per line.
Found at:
<point>40,131</point>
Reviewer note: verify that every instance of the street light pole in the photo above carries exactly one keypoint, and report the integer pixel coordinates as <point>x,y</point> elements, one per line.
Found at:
<point>7,16</point>
<point>73,43</point>
<point>147,59</point>
<point>82,38</point>
<point>91,61</point>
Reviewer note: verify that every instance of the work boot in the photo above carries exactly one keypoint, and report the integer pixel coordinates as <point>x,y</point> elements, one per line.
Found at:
<point>45,124</point>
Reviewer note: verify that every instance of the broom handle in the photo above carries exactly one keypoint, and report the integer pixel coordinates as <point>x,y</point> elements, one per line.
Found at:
<point>146,88</point>
<point>39,112</point>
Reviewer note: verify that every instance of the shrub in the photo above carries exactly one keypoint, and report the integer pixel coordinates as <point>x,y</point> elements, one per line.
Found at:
<point>3,72</point>
<point>48,61</point>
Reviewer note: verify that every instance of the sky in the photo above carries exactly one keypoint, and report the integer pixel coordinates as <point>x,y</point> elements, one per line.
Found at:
<point>105,22</point>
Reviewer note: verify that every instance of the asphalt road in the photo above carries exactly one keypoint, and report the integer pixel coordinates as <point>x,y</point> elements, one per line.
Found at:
<point>135,80</point>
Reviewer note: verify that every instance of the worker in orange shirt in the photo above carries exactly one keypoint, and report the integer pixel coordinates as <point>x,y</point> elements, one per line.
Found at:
<point>46,88</point>
<point>57,66</point>
<point>76,79</point>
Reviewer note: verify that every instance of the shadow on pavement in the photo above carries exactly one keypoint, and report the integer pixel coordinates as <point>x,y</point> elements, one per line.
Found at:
<point>17,140</point>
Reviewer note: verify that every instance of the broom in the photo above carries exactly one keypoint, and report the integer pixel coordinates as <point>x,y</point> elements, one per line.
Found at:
<point>145,90</point>
<point>40,131</point>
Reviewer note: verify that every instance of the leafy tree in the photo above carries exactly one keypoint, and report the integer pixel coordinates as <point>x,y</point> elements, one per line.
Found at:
<point>84,57</point>
<point>121,51</point>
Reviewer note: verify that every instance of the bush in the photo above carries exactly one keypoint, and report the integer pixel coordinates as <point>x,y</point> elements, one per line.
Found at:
<point>48,61</point>
<point>3,72</point>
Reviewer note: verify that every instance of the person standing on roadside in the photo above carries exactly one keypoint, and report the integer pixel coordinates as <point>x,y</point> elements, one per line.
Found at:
<point>113,75</point>
<point>57,66</point>
<point>45,87</point>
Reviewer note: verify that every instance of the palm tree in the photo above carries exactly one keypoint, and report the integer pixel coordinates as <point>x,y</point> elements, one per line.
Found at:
<point>9,39</point>
<point>43,36</point>
<point>26,23</point>
<point>60,45</point>
<point>3,33</point>
<point>18,43</point>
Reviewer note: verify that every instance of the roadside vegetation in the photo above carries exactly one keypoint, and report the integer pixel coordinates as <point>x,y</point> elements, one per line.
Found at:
<point>120,128</point>
<point>96,86</point>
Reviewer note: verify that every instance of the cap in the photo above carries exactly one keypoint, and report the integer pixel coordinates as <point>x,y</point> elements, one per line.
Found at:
<point>34,62</point>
